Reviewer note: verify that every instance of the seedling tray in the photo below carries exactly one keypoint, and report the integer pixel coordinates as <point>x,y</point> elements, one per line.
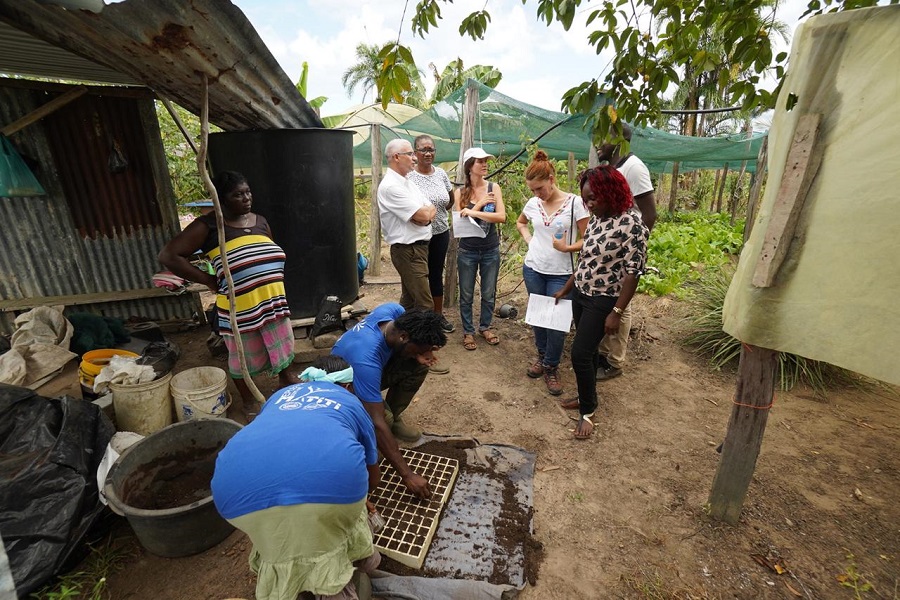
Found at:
<point>410,523</point>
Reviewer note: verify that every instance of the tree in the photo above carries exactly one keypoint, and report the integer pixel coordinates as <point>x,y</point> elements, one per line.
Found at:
<point>317,102</point>
<point>648,57</point>
<point>365,71</point>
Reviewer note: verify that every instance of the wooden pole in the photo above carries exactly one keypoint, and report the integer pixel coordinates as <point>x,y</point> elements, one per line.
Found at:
<point>722,188</point>
<point>572,173</point>
<point>673,193</point>
<point>753,398</point>
<point>756,188</point>
<point>44,110</point>
<point>179,124</point>
<point>736,192</point>
<point>467,138</point>
<point>374,220</point>
<point>220,230</point>
<point>715,190</point>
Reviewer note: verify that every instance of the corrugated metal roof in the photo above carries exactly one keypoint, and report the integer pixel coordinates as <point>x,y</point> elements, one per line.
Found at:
<point>166,45</point>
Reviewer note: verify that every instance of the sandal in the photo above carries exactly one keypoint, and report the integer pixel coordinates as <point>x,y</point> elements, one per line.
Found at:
<point>490,337</point>
<point>584,423</point>
<point>469,342</point>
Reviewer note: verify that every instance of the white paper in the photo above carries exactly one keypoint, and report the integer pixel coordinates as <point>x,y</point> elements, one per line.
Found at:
<point>464,227</point>
<point>544,311</point>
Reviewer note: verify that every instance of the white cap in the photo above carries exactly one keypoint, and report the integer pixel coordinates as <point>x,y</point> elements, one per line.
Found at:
<point>475,153</point>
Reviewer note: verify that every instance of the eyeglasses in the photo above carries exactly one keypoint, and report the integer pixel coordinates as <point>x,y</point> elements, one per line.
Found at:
<point>410,153</point>
<point>425,150</point>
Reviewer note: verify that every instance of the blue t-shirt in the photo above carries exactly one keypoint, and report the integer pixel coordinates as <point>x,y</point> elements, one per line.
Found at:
<point>367,352</point>
<point>310,444</point>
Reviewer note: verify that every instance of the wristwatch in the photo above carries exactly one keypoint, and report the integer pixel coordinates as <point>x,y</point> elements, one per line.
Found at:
<point>618,310</point>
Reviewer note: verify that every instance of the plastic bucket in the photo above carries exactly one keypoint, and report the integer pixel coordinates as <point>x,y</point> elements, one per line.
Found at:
<point>199,393</point>
<point>91,364</point>
<point>162,486</point>
<point>143,408</point>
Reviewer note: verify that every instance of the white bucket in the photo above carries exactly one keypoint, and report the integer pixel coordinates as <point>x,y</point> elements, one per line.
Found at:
<point>199,393</point>
<point>144,408</point>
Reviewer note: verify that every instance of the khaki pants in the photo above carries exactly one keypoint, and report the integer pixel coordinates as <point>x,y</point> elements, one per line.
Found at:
<point>411,262</point>
<point>614,347</point>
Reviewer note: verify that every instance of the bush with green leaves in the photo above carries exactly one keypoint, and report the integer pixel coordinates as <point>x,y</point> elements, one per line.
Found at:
<point>685,245</point>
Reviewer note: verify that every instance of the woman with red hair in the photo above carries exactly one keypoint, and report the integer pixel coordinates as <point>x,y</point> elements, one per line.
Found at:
<point>612,260</point>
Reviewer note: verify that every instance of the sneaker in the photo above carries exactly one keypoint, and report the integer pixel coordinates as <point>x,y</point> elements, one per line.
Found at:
<point>438,369</point>
<point>607,373</point>
<point>537,368</point>
<point>551,378</point>
<point>446,325</point>
<point>404,432</point>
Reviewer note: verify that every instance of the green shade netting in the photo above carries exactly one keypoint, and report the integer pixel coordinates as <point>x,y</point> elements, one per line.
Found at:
<point>504,125</point>
<point>16,178</point>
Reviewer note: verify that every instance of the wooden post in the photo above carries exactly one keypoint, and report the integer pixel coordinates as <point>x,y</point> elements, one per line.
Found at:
<point>756,188</point>
<point>712,199</point>
<point>673,193</point>
<point>374,218</point>
<point>572,174</point>
<point>179,124</point>
<point>722,188</point>
<point>736,192</point>
<point>467,138</point>
<point>753,398</point>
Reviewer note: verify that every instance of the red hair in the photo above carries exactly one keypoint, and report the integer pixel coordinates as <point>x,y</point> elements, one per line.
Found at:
<point>540,168</point>
<point>608,183</point>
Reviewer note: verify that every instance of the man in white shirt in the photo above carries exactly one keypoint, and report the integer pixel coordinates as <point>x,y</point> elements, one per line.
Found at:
<point>406,225</point>
<point>614,347</point>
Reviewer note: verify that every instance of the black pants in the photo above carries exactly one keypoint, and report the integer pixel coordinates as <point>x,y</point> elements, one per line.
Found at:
<point>437,255</point>
<point>589,313</point>
<point>402,377</point>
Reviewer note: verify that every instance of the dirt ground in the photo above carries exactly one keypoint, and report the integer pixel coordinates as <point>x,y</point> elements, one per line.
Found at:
<point>622,514</point>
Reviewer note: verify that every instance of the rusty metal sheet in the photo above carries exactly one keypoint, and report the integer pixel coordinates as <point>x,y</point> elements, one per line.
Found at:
<point>167,45</point>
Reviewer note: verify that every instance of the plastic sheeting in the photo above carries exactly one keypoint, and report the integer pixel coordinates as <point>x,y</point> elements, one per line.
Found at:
<point>49,452</point>
<point>836,297</point>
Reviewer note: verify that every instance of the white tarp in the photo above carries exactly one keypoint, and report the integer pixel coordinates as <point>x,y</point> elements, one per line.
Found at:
<point>836,297</point>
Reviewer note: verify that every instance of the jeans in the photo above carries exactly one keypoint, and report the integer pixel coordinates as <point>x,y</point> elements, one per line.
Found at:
<point>549,342</point>
<point>468,263</point>
<point>589,314</point>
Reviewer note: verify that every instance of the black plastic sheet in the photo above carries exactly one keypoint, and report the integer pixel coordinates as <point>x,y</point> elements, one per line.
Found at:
<point>49,453</point>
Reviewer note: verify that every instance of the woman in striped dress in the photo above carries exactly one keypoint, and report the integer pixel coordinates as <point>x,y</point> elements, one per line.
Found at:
<point>257,267</point>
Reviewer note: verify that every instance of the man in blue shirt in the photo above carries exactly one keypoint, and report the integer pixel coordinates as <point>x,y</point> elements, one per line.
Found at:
<point>392,349</point>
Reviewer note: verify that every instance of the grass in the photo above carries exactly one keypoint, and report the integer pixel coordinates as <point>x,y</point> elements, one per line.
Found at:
<point>88,582</point>
<point>703,331</point>
<point>652,587</point>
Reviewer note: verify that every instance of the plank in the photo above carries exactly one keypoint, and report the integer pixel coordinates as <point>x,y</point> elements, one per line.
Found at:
<point>804,158</point>
<point>44,110</point>
<point>17,304</point>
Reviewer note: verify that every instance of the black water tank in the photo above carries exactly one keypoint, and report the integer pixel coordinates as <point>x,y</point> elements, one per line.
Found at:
<point>302,183</point>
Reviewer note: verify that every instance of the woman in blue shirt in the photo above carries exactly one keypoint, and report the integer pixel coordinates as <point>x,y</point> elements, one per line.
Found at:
<point>295,481</point>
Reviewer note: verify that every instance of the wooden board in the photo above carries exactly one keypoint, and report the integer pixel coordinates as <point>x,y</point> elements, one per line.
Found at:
<point>803,162</point>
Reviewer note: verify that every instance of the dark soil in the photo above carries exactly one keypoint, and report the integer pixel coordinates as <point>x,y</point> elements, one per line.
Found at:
<point>172,480</point>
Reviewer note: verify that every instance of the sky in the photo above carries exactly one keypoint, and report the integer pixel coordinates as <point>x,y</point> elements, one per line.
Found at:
<point>539,62</point>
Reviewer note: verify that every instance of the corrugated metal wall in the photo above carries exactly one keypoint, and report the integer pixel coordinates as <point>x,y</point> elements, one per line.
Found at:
<point>95,231</point>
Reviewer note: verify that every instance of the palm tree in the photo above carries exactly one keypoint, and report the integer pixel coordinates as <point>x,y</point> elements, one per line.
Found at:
<point>454,76</point>
<point>364,72</point>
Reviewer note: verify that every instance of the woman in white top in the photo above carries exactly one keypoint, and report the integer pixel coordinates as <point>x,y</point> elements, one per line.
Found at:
<point>555,216</point>
<point>435,186</point>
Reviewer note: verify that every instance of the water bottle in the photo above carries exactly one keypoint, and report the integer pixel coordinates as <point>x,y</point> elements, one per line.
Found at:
<point>559,230</point>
